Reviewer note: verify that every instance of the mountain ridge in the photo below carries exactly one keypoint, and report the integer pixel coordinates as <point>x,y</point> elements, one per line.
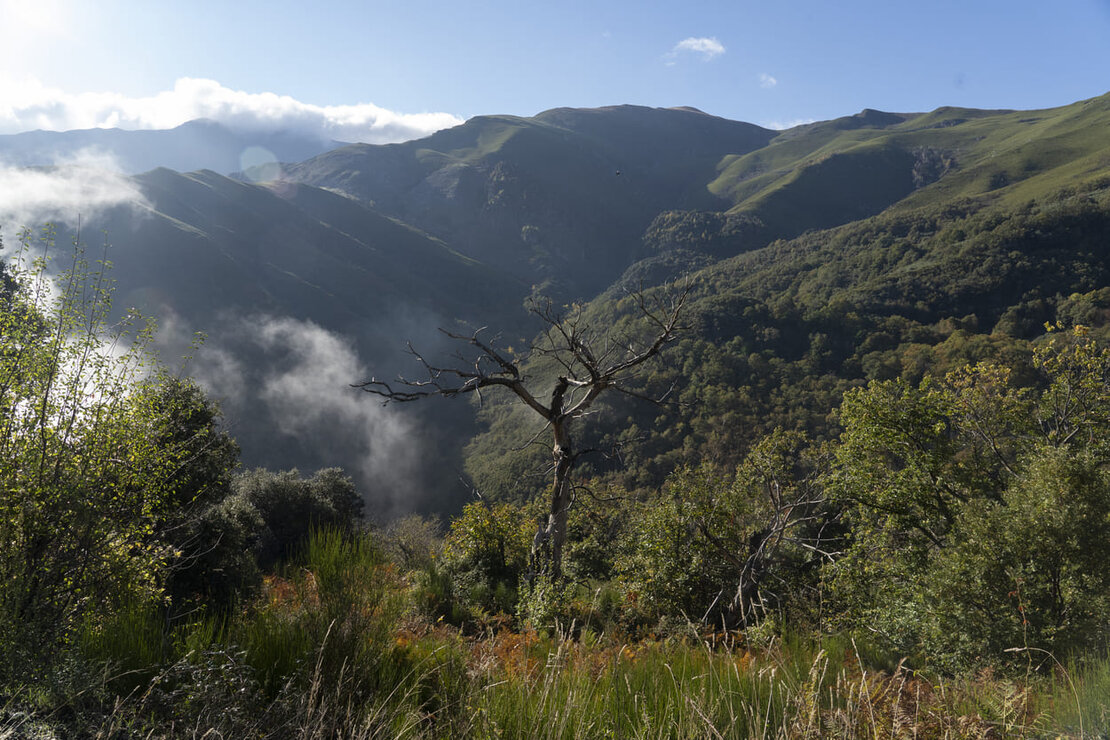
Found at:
<point>554,196</point>
<point>197,144</point>
<point>373,245</point>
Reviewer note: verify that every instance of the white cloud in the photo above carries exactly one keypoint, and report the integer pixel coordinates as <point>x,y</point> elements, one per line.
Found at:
<point>83,185</point>
<point>766,81</point>
<point>783,125</point>
<point>707,47</point>
<point>26,105</point>
<point>290,379</point>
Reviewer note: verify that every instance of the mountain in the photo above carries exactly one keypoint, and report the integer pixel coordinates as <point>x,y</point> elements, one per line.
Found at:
<point>872,246</point>
<point>875,247</point>
<point>195,145</point>
<point>288,249</point>
<point>834,172</point>
<point>569,198</point>
<point>560,199</point>
<point>302,292</point>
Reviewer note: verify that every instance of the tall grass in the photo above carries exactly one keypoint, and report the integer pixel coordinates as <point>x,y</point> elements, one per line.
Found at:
<point>528,685</point>
<point>328,652</point>
<point>792,690</point>
<point>644,692</point>
<point>1080,697</point>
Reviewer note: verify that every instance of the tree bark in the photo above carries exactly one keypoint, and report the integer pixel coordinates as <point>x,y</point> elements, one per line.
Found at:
<point>561,498</point>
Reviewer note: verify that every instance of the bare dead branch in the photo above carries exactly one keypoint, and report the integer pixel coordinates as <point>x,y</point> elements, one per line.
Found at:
<point>591,361</point>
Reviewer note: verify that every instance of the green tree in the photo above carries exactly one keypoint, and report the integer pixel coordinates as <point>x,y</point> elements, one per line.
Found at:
<point>1030,571</point>
<point>978,510</point>
<point>732,548</point>
<point>289,507</point>
<point>486,553</point>
<point>212,564</point>
<point>83,479</point>
<point>666,568</point>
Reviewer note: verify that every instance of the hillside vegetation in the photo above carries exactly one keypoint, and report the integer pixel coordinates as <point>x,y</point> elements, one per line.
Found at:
<point>381,245</point>
<point>777,334</point>
<point>864,493</point>
<point>958,523</point>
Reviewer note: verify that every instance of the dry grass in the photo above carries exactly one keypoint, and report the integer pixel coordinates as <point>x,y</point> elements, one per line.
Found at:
<point>533,686</point>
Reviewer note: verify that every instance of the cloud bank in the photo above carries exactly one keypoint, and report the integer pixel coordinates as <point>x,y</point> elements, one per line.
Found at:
<point>705,47</point>
<point>285,386</point>
<point>84,185</point>
<point>29,105</point>
<point>766,81</point>
<point>783,125</point>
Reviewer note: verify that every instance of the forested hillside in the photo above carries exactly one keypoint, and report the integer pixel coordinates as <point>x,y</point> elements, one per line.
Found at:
<point>369,247</point>
<point>776,335</point>
<point>730,431</point>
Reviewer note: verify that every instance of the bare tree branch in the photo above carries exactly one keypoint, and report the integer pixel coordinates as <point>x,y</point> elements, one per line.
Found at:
<point>591,362</point>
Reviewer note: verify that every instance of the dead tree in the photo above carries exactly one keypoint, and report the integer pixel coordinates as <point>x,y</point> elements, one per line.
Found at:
<point>788,510</point>
<point>590,361</point>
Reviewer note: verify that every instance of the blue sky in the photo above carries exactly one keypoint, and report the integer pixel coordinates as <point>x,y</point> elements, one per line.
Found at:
<point>68,64</point>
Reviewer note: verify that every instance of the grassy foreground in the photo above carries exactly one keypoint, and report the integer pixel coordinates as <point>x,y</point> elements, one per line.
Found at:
<point>530,686</point>
<point>331,650</point>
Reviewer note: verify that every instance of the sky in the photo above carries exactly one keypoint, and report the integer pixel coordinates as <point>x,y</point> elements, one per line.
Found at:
<point>383,71</point>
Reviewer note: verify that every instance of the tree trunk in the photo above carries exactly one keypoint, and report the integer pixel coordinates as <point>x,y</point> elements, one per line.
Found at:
<point>747,602</point>
<point>555,533</point>
<point>560,505</point>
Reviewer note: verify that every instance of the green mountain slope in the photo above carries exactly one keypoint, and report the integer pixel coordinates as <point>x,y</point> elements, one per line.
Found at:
<point>872,246</point>
<point>211,244</point>
<point>830,173</point>
<point>778,333</point>
<point>560,200</point>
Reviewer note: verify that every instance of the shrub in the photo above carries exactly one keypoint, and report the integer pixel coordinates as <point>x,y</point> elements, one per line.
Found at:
<point>84,473</point>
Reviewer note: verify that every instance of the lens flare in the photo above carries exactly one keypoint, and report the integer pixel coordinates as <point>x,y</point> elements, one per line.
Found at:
<point>259,164</point>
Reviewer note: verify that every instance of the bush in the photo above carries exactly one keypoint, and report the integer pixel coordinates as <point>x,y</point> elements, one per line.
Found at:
<point>486,552</point>
<point>290,507</point>
<point>980,511</point>
<point>84,473</point>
